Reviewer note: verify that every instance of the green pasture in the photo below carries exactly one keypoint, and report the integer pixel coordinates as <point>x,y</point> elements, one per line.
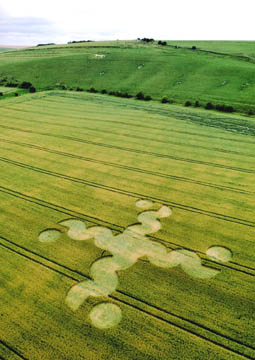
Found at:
<point>6,90</point>
<point>67,155</point>
<point>6,49</point>
<point>132,66</point>
<point>9,92</point>
<point>235,48</point>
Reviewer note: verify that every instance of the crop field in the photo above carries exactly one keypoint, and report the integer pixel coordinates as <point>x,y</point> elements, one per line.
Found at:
<point>127,230</point>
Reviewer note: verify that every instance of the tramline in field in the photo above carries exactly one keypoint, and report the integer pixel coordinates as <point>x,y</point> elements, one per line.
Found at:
<point>96,179</point>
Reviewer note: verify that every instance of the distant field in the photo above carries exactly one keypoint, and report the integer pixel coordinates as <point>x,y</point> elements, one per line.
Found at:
<point>237,48</point>
<point>132,66</point>
<point>6,90</point>
<point>92,157</point>
<point>6,49</point>
<point>10,91</point>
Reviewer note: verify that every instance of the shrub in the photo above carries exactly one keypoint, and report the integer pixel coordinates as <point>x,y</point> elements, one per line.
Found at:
<point>194,48</point>
<point>25,85</point>
<point>16,94</point>
<point>1,94</point>
<point>148,98</point>
<point>147,40</point>
<point>225,108</point>
<point>196,104</point>
<point>209,106</point>
<point>79,89</point>
<point>46,44</point>
<point>104,91</point>
<point>229,109</point>
<point>32,89</point>
<point>112,93</point>
<point>164,100</point>
<point>188,103</point>
<point>161,42</point>
<point>140,96</point>
<point>220,107</point>
<point>10,84</point>
<point>250,112</point>
<point>93,90</point>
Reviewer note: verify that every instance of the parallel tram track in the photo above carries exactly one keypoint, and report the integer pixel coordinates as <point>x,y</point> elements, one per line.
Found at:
<point>93,220</point>
<point>184,324</point>
<point>157,155</point>
<point>139,137</point>
<point>130,168</point>
<point>131,194</point>
<point>140,303</point>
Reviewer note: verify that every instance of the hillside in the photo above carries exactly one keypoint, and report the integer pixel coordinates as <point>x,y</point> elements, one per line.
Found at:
<point>132,66</point>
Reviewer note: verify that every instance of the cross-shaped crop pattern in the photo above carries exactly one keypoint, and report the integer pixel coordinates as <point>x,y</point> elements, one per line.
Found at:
<point>126,249</point>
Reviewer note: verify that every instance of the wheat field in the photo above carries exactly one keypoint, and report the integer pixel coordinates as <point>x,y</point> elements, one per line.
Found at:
<point>181,179</point>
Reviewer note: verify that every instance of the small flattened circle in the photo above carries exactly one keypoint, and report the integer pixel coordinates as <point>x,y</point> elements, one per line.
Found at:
<point>219,253</point>
<point>105,315</point>
<point>49,235</point>
<point>75,224</point>
<point>144,204</point>
<point>164,211</point>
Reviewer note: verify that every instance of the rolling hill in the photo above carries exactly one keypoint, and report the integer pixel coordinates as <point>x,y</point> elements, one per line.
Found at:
<point>224,76</point>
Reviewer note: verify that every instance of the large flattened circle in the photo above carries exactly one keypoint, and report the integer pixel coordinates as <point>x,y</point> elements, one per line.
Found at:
<point>105,315</point>
<point>49,235</point>
<point>219,253</point>
<point>144,204</point>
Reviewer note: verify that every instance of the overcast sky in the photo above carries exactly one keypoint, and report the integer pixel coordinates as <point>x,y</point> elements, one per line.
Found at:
<point>29,22</point>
